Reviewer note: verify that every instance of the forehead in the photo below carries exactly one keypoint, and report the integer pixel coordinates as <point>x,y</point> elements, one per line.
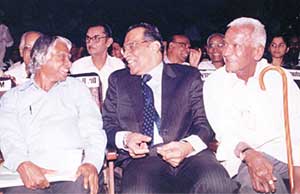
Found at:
<point>216,38</point>
<point>31,38</point>
<point>135,34</point>
<point>60,46</point>
<point>96,30</point>
<point>278,39</point>
<point>238,34</point>
<point>181,38</point>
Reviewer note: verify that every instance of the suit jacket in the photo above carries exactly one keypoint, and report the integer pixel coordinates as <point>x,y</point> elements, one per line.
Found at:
<point>182,105</point>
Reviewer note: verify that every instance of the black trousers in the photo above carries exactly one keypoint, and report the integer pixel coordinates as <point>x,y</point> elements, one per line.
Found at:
<point>64,187</point>
<point>201,173</point>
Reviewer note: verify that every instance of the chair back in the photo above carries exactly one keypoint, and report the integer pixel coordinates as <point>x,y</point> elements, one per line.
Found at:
<point>5,84</point>
<point>93,82</point>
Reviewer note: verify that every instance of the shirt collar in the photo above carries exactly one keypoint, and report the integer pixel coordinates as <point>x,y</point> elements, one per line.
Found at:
<point>156,72</point>
<point>31,83</point>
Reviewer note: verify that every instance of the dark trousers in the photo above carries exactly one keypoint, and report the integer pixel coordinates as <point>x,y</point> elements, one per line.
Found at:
<point>64,187</point>
<point>201,173</point>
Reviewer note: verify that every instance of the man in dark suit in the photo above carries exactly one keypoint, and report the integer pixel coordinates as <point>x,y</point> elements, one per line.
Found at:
<point>173,156</point>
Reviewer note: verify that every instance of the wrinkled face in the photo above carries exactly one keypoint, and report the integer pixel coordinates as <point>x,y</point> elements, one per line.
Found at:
<point>29,42</point>
<point>138,52</point>
<point>215,48</point>
<point>278,47</point>
<point>58,64</point>
<point>116,50</point>
<point>238,51</point>
<point>96,41</point>
<point>180,47</point>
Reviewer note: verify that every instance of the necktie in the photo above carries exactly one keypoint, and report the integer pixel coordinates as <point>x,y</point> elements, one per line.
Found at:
<point>150,114</point>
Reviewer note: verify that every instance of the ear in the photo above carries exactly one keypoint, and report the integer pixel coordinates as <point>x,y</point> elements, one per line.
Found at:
<point>109,41</point>
<point>155,46</point>
<point>258,52</point>
<point>21,50</point>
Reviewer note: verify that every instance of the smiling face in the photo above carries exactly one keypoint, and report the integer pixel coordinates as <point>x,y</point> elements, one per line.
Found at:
<point>138,51</point>
<point>215,48</point>
<point>58,64</point>
<point>179,49</point>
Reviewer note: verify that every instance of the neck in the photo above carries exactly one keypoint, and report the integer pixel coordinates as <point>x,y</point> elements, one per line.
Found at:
<point>247,72</point>
<point>277,61</point>
<point>218,64</point>
<point>43,81</point>
<point>155,62</point>
<point>99,60</point>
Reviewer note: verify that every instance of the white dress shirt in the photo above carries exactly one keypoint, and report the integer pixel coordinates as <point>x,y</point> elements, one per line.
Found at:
<point>86,65</point>
<point>18,71</point>
<point>52,128</point>
<point>156,85</point>
<point>242,112</point>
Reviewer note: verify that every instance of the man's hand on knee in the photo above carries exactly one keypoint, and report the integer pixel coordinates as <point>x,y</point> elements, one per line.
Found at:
<point>90,177</point>
<point>33,176</point>
<point>261,171</point>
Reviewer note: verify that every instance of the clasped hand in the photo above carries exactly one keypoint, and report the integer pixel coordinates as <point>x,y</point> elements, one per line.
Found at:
<point>173,152</point>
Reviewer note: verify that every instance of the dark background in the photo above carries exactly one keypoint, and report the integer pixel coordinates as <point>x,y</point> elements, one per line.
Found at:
<point>196,18</point>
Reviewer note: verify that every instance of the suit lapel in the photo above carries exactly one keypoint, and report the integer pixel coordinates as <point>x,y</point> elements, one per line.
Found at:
<point>168,88</point>
<point>136,97</point>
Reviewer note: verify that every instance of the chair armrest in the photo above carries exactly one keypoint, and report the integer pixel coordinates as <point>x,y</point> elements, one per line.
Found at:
<point>111,153</point>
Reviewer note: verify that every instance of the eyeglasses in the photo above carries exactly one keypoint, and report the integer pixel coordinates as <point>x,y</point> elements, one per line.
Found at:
<point>183,44</point>
<point>215,45</point>
<point>132,45</point>
<point>95,38</point>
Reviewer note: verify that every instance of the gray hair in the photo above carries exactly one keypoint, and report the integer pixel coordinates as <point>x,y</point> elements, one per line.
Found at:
<point>258,36</point>
<point>22,41</point>
<point>42,49</point>
<point>213,35</point>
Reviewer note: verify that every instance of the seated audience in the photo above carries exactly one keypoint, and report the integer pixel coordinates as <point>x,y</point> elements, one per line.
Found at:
<point>278,49</point>
<point>52,124</point>
<point>160,128</point>
<point>248,121</point>
<point>214,48</point>
<point>20,71</point>
<point>98,40</point>
<point>179,50</point>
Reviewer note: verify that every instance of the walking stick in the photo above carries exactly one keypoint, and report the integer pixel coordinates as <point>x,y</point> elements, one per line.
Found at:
<point>286,118</point>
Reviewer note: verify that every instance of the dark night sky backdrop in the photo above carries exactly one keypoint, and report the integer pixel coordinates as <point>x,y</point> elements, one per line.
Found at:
<point>197,18</point>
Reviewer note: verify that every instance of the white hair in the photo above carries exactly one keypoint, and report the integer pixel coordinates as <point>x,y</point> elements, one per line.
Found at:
<point>42,49</point>
<point>258,36</point>
<point>23,37</point>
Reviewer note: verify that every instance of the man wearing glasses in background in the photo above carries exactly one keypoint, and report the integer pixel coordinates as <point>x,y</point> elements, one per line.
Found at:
<point>98,39</point>
<point>154,115</point>
<point>179,49</point>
